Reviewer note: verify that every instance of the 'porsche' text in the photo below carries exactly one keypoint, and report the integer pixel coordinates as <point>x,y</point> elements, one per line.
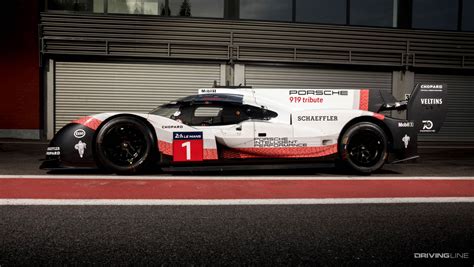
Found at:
<point>319,92</point>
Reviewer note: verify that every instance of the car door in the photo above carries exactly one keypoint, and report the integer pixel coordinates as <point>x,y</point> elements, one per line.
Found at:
<point>239,135</point>
<point>272,132</point>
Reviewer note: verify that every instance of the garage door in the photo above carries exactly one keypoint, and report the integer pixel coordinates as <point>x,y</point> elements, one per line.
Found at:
<point>291,77</point>
<point>83,88</point>
<point>459,124</point>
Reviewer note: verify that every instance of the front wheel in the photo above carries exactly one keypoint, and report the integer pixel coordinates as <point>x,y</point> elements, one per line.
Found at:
<point>363,147</point>
<point>125,145</point>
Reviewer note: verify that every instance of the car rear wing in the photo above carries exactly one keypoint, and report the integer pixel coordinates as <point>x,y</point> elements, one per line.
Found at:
<point>426,106</point>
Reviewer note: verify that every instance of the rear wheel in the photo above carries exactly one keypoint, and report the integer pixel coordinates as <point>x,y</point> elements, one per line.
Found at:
<point>363,147</point>
<point>125,145</point>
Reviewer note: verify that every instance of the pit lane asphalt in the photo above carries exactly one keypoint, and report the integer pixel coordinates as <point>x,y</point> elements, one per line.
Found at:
<point>311,235</point>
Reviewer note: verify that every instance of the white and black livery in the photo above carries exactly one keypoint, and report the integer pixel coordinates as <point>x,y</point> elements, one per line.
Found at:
<point>229,125</point>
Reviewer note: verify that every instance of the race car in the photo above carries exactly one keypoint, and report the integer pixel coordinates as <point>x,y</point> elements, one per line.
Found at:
<point>237,125</point>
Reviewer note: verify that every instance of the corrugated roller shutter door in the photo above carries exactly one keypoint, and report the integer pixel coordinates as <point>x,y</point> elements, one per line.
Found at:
<point>459,124</point>
<point>297,77</point>
<point>84,88</point>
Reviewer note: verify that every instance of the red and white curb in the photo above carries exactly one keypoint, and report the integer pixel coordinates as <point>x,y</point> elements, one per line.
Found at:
<point>204,190</point>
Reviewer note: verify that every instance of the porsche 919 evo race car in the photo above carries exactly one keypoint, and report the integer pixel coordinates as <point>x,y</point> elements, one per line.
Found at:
<point>229,125</point>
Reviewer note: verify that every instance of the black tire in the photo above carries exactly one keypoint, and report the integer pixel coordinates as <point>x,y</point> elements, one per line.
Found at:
<point>363,147</point>
<point>125,145</point>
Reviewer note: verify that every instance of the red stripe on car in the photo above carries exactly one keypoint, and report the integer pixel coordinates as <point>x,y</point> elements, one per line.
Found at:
<point>364,99</point>
<point>259,152</point>
<point>89,122</point>
<point>280,152</point>
<point>165,147</point>
<point>379,116</point>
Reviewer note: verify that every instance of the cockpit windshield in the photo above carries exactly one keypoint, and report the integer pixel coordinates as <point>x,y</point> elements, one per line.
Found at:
<point>215,113</point>
<point>166,110</point>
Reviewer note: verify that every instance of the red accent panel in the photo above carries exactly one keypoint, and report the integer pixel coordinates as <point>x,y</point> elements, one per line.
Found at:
<point>210,153</point>
<point>364,99</point>
<point>229,189</point>
<point>379,116</point>
<point>281,152</point>
<point>270,152</point>
<point>89,122</point>
<point>167,149</point>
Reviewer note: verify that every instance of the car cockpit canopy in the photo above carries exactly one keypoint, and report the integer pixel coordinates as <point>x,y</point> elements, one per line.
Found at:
<point>212,109</point>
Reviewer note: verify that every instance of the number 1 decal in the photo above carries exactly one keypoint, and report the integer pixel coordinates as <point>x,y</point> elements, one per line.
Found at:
<point>188,149</point>
<point>187,146</point>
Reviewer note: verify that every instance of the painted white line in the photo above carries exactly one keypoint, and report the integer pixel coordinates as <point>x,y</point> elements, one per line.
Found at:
<point>266,177</point>
<point>205,202</point>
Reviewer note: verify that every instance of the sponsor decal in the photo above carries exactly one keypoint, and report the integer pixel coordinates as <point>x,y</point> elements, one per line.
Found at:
<point>427,124</point>
<point>319,92</point>
<point>277,142</point>
<point>188,146</point>
<point>317,118</point>
<point>80,147</point>
<point>406,140</point>
<point>53,151</point>
<point>406,124</point>
<point>172,126</point>
<point>432,86</point>
<point>79,133</point>
<point>208,90</point>
<point>431,101</point>
<point>445,255</point>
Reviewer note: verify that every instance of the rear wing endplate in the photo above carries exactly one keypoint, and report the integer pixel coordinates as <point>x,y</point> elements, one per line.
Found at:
<point>427,107</point>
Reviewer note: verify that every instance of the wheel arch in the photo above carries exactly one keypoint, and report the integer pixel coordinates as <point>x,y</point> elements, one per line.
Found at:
<point>141,119</point>
<point>371,119</point>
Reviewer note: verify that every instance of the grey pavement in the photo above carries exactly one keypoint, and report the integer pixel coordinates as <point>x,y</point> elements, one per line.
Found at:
<point>269,235</point>
<point>308,235</point>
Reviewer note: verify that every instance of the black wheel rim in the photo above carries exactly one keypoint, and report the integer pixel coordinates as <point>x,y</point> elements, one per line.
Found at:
<point>124,145</point>
<point>365,148</point>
